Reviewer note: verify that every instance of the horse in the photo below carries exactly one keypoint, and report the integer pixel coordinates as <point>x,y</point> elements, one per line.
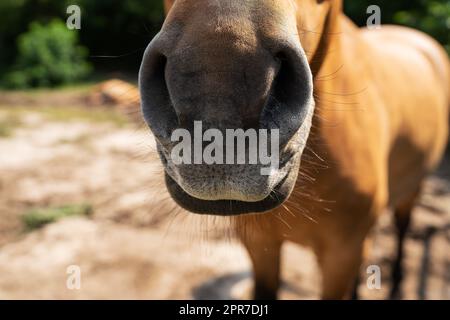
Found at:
<point>362,117</point>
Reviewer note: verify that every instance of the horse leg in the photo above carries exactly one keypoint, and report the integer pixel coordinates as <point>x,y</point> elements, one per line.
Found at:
<point>340,266</point>
<point>265,256</point>
<point>355,295</point>
<point>402,219</point>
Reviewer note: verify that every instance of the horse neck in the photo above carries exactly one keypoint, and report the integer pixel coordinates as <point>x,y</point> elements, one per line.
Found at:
<point>334,80</point>
<point>332,51</point>
<point>338,59</point>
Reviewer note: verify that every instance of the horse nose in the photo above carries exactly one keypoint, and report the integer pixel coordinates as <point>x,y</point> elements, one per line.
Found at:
<point>250,92</point>
<point>156,105</point>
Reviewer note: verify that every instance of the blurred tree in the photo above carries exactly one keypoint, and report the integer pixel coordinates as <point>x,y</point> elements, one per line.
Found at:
<point>108,27</point>
<point>48,55</point>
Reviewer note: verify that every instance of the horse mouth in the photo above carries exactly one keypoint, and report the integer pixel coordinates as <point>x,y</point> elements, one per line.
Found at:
<point>277,197</point>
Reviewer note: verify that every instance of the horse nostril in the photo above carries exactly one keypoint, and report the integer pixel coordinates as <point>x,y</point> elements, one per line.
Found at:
<point>283,80</point>
<point>156,105</point>
<point>291,95</point>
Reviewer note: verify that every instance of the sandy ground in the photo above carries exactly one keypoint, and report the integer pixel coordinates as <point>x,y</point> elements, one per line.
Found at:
<point>139,245</point>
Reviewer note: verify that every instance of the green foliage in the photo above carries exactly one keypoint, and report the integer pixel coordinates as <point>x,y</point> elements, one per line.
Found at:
<point>48,55</point>
<point>108,28</point>
<point>37,218</point>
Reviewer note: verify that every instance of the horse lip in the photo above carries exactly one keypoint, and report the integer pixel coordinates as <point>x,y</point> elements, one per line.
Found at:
<point>226,207</point>
<point>227,196</point>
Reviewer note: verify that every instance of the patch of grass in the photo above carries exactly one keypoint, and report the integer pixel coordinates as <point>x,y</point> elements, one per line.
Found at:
<point>8,123</point>
<point>36,218</point>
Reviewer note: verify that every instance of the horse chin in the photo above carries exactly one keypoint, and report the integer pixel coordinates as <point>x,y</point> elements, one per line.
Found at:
<point>278,195</point>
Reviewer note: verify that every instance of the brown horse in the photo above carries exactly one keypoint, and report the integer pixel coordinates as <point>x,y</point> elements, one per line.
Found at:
<point>363,118</point>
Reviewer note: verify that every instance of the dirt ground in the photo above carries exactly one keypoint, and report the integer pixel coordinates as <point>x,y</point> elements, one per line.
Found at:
<point>138,244</point>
